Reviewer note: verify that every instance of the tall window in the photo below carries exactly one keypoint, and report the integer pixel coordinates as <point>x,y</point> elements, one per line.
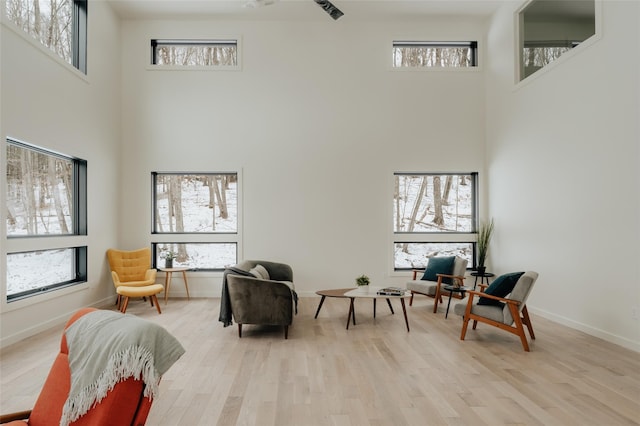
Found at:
<point>196,217</point>
<point>194,53</point>
<point>434,214</point>
<point>60,25</point>
<point>432,54</point>
<point>46,204</point>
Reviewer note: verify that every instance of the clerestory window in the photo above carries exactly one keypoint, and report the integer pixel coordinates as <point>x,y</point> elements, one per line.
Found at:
<point>435,54</point>
<point>60,25</point>
<point>195,53</point>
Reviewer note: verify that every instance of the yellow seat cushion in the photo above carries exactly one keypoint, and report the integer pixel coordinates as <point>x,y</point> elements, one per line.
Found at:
<point>148,290</point>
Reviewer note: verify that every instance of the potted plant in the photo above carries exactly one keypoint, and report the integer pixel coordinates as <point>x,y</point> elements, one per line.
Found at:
<point>484,237</point>
<point>362,280</point>
<point>168,258</point>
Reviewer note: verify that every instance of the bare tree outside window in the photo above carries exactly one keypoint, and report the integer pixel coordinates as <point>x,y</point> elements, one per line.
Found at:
<point>203,203</point>
<point>208,53</point>
<point>433,203</point>
<point>60,25</point>
<point>39,195</point>
<point>434,54</point>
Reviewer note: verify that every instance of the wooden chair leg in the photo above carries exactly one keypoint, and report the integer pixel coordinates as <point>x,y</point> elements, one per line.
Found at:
<point>124,304</point>
<point>527,322</point>
<point>519,329</point>
<point>286,331</point>
<point>467,317</point>
<point>239,330</point>
<point>411,299</point>
<point>435,300</point>
<point>154,299</point>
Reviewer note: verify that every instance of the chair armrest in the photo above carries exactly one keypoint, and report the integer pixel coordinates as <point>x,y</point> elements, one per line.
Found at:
<point>453,277</point>
<point>150,274</point>
<point>20,415</point>
<point>491,296</point>
<point>483,287</point>
<point>115,278</point>
<point>415,273</point>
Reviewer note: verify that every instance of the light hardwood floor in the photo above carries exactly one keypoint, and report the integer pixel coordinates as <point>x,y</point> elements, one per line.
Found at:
<point>375,373</point>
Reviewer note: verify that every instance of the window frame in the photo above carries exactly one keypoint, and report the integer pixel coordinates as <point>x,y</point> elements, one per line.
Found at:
<point>217,41</point>
<point>521,76</point>
<point>227,237</point>
<point>79,28</point>
<point>74,240</point>
<point>436,237</point>
<point>471,44</point>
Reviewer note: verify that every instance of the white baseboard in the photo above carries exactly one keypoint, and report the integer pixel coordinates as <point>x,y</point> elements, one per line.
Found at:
<point>611,338</point>
<point>44,326</point>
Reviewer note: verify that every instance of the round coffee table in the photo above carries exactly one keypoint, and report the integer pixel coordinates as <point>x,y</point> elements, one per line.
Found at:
<point>336,292</point>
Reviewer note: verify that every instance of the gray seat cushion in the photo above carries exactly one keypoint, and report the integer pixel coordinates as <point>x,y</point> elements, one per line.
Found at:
<point>488,311</point>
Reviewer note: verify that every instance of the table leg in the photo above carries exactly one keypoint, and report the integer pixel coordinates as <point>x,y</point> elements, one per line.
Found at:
<point>390,307</point>
<point>374,308</point>
<point>167,284</point>
<point>186,286</point>
<point>404,310</point>
<point>319,306</point>
<point>448,304</point>
<point>351,313</point>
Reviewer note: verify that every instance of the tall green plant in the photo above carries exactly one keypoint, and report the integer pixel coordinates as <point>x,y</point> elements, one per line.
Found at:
<point>484,237</point>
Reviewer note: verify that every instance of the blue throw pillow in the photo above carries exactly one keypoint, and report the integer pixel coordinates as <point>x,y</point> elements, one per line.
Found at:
<point>439,265</point>
<point>501,286</point>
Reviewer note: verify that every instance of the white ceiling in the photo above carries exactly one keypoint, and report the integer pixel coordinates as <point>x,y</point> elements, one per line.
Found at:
<point>300,9</point>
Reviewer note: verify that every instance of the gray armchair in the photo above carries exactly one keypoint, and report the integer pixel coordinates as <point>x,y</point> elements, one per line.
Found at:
<point>508,313</point>
<point>433,288</point>
<point>266,300</point>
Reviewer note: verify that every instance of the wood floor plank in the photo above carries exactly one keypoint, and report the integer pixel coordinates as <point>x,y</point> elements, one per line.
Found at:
<point>375,373</point>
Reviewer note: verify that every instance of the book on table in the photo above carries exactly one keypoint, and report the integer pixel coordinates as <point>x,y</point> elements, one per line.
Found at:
<point>391,291</point>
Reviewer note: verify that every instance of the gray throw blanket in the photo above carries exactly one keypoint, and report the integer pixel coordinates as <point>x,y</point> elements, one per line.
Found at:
<point>107,347</point>
<point>225,302</point>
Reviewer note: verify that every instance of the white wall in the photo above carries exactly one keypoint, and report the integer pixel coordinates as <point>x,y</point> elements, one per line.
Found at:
<point>47,103</point>
<point>563,165</point>
<point>316,121</point>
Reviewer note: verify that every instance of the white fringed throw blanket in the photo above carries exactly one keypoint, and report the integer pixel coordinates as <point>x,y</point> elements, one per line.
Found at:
<point>107,347</point>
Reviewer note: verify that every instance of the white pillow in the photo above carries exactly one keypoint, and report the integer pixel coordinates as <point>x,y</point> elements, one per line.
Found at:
<point>260,271</point>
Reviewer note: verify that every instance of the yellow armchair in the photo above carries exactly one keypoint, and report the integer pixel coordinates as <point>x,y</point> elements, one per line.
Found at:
<point>131,268</point>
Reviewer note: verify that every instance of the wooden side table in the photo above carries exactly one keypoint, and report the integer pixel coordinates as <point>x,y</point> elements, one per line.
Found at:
<point>167,280</point>
<point>482,277</point>
<point>452,289</point>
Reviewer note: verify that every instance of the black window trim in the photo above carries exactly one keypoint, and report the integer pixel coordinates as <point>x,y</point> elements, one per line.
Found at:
<point>155,43</point>
<point>473,45</point>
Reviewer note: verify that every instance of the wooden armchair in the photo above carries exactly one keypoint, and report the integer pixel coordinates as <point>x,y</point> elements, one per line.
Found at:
<point>509,314</point>
<point>433,288</point>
